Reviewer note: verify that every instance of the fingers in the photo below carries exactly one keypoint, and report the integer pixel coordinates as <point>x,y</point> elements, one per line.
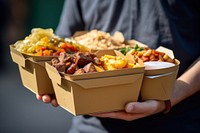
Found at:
<point>46,98</point>
<point>135,110</point>
<point>137,107</point>
<point>120,115</point>
<point>54,103</point>
<point>39,97</point>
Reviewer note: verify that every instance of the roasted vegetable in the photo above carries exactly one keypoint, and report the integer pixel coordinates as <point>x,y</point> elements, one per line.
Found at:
<point>147,54</point>
<point>43,42</point>
<point>127,49</point>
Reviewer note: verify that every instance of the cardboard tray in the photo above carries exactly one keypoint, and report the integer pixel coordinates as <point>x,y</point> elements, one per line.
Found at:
<point>158,84</point>
<point>33,73</point>
<point>96,92</point>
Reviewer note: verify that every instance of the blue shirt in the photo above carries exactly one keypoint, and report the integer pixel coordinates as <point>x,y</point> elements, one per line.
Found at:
<point>170,23</point>
<point>174,24</point>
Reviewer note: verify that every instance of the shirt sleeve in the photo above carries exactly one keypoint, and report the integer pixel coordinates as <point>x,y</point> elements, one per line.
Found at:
<point>71,19</point>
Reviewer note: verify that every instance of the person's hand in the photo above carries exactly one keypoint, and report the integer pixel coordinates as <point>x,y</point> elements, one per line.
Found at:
<point>135,110</point>
<point>48,99</point>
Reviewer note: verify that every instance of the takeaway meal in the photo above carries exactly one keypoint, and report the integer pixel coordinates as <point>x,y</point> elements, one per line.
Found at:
<point>99,40</point>
<point>86,62</point>
<point>74,55</point>
<point>146,54</point>
<point>43,42</point>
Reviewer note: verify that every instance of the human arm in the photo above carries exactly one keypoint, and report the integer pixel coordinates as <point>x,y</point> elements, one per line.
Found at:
<point>187,84</point>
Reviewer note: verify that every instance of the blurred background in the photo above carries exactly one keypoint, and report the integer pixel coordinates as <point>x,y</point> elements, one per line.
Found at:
<point>20,111</point>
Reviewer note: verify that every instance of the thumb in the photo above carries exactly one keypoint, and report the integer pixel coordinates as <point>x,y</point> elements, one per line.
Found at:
<point>139,107</point>
<point>132,107</point>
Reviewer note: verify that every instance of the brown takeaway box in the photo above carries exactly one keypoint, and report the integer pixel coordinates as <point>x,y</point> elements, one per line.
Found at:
<point>158,84</point>
<point>33,73</point>
<point>96,92</point>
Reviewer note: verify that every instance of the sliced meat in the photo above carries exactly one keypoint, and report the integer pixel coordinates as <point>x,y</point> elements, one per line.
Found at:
<point>89,68</point>
<point>68,64</point>
<point>96,61</point>
<point>83,59</point>
<point>64,57</point>
<point>78,63</point>
<point>55,61</point>
<point>61,67</point>
<point>72,69</point>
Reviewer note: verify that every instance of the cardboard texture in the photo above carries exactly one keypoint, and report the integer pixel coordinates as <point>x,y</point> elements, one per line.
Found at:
<point>33,73</point>
<point>158,84</point>
<point>96,94</point>
<point>99,91</point>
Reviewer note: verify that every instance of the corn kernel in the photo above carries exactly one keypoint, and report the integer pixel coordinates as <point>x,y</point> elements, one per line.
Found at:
<point>165,57</point>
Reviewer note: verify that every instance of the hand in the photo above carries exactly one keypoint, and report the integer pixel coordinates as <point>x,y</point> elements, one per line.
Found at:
<point>48,99</point>
<point>135,110</point>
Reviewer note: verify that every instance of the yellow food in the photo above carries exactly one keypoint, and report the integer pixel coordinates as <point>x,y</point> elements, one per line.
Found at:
<point>111,62</point>
<point>99,68</point>
<point>43,42</point>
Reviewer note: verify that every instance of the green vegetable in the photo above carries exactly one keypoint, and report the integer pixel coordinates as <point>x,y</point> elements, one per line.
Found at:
<point>125,50</point>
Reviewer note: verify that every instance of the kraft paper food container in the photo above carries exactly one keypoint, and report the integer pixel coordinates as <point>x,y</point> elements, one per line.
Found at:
<point>32,71</point>
<point>96,92</point>
<point>158,83</point>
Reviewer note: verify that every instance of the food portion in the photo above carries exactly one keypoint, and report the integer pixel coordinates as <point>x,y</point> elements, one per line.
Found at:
<point>99,40</point>
<point>125,50</point>
<point>78,63</point>
<point>74,55</point>
<point>146,54</point>
<point>43,42</point>
<point>85,62</point>
<point>111,62</point>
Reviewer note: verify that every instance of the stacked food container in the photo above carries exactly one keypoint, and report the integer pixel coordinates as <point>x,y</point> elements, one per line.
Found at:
<point>92,71</point>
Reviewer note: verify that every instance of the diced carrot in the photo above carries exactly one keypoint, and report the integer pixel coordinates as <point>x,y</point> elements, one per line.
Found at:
<point>46,53</point>
<point>145,58</point>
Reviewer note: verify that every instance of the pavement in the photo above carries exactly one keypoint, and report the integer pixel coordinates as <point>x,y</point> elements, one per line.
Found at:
<point>20,111</point>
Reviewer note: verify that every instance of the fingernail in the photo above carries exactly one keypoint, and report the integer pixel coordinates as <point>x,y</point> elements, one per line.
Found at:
<point>129,108</point>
